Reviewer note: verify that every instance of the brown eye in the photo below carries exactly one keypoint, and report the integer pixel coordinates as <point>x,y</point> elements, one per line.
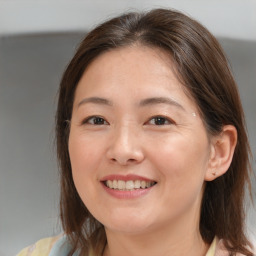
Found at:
<point>95,120</point>
<point>160,120</point>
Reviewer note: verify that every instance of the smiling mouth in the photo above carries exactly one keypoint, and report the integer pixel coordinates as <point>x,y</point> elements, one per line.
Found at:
<point>128,185</point>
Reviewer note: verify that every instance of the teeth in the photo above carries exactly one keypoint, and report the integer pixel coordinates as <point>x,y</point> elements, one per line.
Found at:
<point>110,183</point>
<point>137,184</point>
<point>129,185</point>
<point>115,186</point>
<point>143,184</point>
<point>121,184</point>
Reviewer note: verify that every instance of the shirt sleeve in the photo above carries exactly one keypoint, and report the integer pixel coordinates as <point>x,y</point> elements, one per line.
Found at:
<point>40,248</point>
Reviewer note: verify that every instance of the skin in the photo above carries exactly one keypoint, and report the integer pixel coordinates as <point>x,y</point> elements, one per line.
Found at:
<point>179,154</point>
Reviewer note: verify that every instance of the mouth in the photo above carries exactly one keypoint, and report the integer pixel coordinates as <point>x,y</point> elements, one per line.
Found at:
<point>129,185</point>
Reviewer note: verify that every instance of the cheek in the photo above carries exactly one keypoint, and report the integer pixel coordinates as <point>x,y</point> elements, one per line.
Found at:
<point>85,157</point>
<point>182,168</point>
<point>181,160</point>
<point>84,152</point>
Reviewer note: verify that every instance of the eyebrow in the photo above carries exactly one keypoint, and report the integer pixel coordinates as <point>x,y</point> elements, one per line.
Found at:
<point>160,100</point>
<point>143,103</point>
<point>95,100</point>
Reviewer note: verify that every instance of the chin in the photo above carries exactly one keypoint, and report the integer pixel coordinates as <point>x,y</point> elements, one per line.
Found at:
<point>127,223</point>
<point>131,228</point>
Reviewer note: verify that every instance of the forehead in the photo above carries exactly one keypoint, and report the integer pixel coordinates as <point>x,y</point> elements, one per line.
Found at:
<point>135,58</point>
<point>135,71</point>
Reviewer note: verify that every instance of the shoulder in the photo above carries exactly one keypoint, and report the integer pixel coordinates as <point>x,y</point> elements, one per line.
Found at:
<point>42,247</point>
<point>222,251</point>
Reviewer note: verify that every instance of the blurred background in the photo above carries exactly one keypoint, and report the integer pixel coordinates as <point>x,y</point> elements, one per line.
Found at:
<point>37,39</point>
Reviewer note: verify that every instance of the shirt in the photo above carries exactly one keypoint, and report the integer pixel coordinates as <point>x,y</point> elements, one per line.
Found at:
<point>59,246</point>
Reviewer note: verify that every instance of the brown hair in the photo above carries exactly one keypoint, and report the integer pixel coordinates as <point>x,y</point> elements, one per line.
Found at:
<point>204,71</point>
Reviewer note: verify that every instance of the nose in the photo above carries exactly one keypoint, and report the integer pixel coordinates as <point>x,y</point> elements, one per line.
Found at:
<point>125,147</point>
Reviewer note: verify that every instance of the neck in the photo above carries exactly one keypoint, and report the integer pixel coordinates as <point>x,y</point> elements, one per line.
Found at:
<point>174,240</point>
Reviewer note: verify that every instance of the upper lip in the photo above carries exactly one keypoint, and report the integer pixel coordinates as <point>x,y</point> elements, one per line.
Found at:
<point>124,177</point>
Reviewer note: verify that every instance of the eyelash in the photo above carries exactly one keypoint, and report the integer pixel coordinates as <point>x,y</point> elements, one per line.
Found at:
<point>161,119</point>
<point>93,120</point>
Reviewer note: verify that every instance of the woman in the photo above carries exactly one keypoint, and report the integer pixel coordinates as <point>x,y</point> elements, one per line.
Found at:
<point>151,142</point>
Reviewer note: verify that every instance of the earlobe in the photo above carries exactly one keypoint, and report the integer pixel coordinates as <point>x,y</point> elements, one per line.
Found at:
<point>222,151</point>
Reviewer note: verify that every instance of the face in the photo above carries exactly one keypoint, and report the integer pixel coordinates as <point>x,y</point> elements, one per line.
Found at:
<point>138,148</point>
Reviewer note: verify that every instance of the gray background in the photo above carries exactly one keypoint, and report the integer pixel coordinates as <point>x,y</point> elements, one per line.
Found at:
<point>30,69</point>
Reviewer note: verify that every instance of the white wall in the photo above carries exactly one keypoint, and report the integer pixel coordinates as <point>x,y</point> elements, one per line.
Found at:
<point>229,18</point>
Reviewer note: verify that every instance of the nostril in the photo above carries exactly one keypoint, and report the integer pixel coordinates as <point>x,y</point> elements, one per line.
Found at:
<point>131,160</point>
<point>123,161</point>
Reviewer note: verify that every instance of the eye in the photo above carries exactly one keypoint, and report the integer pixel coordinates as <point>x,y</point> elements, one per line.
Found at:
<point>95,120</point>
<point>160,120</point>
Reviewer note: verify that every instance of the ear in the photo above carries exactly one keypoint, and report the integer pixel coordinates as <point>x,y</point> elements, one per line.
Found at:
<point>221,153</point>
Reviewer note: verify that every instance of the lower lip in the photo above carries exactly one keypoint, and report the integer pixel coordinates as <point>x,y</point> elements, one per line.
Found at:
<point>127,194</point>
